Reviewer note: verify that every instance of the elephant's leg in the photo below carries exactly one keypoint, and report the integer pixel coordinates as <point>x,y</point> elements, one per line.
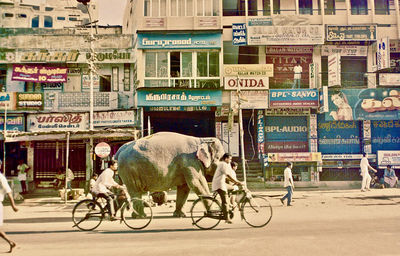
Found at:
<point>181,197</point>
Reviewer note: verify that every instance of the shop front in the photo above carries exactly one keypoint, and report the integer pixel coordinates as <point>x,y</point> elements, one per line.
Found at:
<point>190,112</point>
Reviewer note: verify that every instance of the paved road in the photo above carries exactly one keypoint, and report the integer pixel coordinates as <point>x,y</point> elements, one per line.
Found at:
<point>321,223</point>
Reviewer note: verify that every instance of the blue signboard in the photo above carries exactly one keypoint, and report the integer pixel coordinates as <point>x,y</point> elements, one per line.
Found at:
<point>293,98</point>
<point>14,123</point>
<point>148,98</point>
<point>239,36</point>
<point>385,135</point>
<point>366,104</point>
<point>338,137</point>
<point>286,134</point>
<point>179,41</point>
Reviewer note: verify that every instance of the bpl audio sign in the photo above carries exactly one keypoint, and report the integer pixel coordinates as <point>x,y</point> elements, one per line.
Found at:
<point>39,74</point>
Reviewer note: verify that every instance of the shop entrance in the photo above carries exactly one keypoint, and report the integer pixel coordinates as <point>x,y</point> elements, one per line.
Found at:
<point>199,124</point>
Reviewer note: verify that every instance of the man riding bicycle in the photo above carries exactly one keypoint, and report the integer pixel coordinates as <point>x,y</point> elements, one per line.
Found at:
<point>103,185</point>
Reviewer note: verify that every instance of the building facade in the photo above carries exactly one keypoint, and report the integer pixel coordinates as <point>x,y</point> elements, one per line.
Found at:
<point>341,102</point>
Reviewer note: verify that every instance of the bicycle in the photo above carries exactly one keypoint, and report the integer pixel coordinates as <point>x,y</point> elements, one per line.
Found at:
<point>255,210</point>
<point>88,214</point>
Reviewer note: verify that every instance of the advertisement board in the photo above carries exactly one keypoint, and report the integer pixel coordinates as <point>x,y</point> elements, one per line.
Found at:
<point>246,83</point>
<point>14,123</point>
<point>286,134</point>
<point>334,70</point>
<point>351,33</point>
<point>364,104</point>
<point>338,137</point>
<point>386,157</point>
<point>249,70</point>
<point>8,100</point>
<point>57,122</point>
<point>228,137</point>
<point>389,79</point>
<point>179,41</point>
<point>293,98</point>
<point>115,118</point>
<point>29,101</point>
<point>250,100</point>
<point>385,135</point>
<point>239,34</point>
<point>39,74</point>
<point>383,53</point>
<point>295,157</point>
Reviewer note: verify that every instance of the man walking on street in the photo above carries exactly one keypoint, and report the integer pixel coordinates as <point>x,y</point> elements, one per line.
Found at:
<point>288,184</point>
<point>364,166</point>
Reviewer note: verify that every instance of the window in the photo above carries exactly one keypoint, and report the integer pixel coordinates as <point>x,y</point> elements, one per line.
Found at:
<point>115,79</point>
<point>33,87</point>
<point>48,9</point>
<point>266,7</point>
<point>352,71</point>
<point>382,7</point>
<point>37,8</point>
<point>233,7</point>
<point>22,15</point>
<point>3,79</point>
<point>72,18</point>
<point>35,22</point>
<point>48,22</point>
<point>8,15</point>
<point>240,54</point>
<point>359,7</point>
<point>207,8</point>
<point>127,77</point>
<point>252,5</point>
<point>181,8</point>
<point>155,8</point>
<point>305,7</point>
<point>60,18</point>
<point>176,69</point>
<point>105,83</point>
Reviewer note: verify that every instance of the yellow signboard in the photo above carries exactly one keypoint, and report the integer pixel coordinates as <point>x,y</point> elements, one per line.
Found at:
<point>265,70</point>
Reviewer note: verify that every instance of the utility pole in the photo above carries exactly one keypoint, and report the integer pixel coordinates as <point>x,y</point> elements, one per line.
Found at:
<point>241,131</point>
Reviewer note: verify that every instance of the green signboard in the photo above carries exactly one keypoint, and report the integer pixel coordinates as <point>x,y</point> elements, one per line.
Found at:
<point>351,33</point>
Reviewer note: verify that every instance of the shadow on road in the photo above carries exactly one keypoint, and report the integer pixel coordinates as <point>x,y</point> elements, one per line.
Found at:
<point>41,232</point>
<point>39,220</point>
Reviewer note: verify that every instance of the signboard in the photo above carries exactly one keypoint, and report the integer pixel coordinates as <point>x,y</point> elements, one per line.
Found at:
<point>115,118</point>
<point>102,150</point>
<point>239,34</point>
<point>57,122</point>
<point>351,33</point>
<point>179,97</point>
<point>364,104</point>
<point>249,70</point>
<point>260,132</point>
<point>385,135</point>
<point>343,156</point>
<point>285,35</point>
<point>339,137</point>
<point>7,100</point>
<point>14,123</point>
<point>389,79</point>
<point>313,75</point>
<point>287,112</point>
<point>49,56</point>
<point>286,134</point>
<point>383,53</point>
<point>178,108</point>
<point>250,100</point>
<point>228,137</point>
<point>86,83</point>
<point>334,70</point>
<point>386,157</point>
<point>293,98</point>
<point>246,83</point>
<point>29,101</point>
<point>344,50</point>
<point>38,73</point>
<point>295,157</point>
<point>179,41</point>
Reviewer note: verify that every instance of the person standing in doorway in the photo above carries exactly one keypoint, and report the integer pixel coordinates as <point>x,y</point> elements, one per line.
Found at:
<point>22,172</point>
<point>288,184</point>
<point>297,76</point>
<point>366,178</point>
<point>5,189</point>
<point>70,177</point>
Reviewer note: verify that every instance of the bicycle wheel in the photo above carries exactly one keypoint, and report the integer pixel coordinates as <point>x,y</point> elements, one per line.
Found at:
<point>87,215</point>
<point>256,211</point>
<point>138,214</point>
<point>206,213</point>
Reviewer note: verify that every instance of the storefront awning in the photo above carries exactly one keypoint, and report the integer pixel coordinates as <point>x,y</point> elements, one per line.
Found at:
<point>74,135</point>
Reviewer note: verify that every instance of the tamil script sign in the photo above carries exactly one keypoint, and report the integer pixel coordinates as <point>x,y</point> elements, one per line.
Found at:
<point>249,70</point>
<point>284,35</point>
<point>351,33</point>
<point>239,34</point>
<point>246,83</point>
<point>39,74</point>
<point>57,122</point>
<point>293,98</point>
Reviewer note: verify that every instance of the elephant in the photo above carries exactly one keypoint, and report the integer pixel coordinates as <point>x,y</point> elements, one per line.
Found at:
<point>164,160</point>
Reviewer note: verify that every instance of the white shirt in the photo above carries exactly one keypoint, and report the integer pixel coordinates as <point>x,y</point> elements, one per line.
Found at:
<point>70,175</point>
<point>297,72</point>
<point>218,181</point>
<point>364,165</point>
<point>288,177</point>
<point>4,187</point>
<point>104,182</point>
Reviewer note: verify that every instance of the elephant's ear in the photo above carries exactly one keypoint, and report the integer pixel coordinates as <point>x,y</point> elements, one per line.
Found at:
<point>203,154</point>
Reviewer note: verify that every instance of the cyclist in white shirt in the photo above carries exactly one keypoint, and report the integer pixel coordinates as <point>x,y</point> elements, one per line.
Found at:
<point>364,166</point>
<point>222,173</point>
<point>103,185</point>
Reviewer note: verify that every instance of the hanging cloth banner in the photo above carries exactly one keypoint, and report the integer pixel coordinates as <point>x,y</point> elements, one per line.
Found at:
<point>39,74</point>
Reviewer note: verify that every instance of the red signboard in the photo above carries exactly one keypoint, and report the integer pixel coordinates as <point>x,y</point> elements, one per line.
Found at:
<point>39,74</point>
